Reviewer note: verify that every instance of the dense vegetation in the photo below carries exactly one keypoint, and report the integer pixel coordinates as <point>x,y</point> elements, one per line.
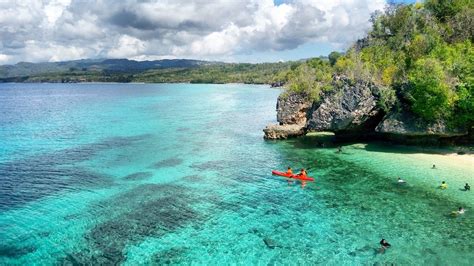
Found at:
<point>264,73</point>
<point>160,71</point>
<point>421,55</point>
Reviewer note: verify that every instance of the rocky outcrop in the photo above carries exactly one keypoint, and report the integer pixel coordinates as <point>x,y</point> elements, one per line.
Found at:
<point>351,111</point>
<point>284,131</point>
<point>405,123</point>
<point>292,108</point>
<point>350,107</point>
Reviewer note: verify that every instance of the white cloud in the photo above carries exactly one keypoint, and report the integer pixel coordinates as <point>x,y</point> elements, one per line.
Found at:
<point>4,58</point>
<point>127,46</point>
<point>69,29</point>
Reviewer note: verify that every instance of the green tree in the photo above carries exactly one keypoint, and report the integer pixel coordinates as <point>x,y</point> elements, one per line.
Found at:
<point>333,56</point>
<point>430,94</point>
<point>443,9</point>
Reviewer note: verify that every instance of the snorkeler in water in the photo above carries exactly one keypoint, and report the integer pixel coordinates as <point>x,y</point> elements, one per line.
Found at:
<point>443,185</point>
<point>384,245</point>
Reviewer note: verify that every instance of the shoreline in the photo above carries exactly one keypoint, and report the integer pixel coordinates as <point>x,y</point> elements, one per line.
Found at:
<point>415,166</point>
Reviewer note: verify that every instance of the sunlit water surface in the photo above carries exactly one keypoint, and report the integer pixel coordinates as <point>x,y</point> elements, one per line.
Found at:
<point>179,173</point>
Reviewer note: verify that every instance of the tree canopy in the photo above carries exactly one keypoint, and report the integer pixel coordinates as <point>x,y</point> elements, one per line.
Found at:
<point>422,52</point>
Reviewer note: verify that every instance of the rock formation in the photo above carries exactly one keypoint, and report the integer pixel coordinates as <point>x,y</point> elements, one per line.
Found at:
<point>404,123</point>
<point>283,131</point>
<point>292,110</point>
<point>351,109</point>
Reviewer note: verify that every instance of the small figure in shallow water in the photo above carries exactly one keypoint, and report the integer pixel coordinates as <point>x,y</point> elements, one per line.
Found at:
<point>339,149</point>
<point>461,210</point>
<point>434,167</point>
<point>443,185</point>
<point>401,181</point>
<point>467,187</point>
<point>384,245</point>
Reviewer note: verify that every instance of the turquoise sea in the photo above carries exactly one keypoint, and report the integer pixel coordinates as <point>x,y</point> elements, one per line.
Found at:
<point>180,174</point>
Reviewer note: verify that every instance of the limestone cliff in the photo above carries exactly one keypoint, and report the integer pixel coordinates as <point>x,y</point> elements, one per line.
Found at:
<point>405,123</point>
<point>292,110</point>
<point>351,109</point>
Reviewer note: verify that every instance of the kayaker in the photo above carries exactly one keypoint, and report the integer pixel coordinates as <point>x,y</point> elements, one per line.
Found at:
<point>443,185</point>
<point>303,174</point>
<point>467,187</point>
<point>290,172</point>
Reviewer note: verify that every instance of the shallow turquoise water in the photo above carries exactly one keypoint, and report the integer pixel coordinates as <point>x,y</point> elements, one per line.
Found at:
<point>134,173</point>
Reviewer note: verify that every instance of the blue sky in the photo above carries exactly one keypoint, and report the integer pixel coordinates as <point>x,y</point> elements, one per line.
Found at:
<point>220,30</point>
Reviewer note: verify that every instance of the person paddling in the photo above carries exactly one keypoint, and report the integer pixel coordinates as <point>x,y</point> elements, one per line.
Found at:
<point>290,174</point>
<point>303,174</point>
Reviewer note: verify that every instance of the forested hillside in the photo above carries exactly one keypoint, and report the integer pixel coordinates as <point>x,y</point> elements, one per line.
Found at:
<point>159,71</point>
<point>420,55</point>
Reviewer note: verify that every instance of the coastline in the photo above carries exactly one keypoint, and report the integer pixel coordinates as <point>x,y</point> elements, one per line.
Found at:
<point>414,165</point>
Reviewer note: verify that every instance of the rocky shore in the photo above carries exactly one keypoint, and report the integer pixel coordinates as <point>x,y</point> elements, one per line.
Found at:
<point>351,111</point>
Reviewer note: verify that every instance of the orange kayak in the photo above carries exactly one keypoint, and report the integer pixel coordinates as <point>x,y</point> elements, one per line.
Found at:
<point>304,178</point>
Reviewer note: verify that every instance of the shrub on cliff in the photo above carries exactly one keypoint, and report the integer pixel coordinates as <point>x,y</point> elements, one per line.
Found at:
<point>430,93</point>
<point>311,78</point>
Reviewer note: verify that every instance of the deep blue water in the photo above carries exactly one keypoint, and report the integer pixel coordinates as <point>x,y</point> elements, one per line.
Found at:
<point>179,173</point>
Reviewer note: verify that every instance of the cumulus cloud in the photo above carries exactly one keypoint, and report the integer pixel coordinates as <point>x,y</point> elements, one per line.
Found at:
<point>53,30</point>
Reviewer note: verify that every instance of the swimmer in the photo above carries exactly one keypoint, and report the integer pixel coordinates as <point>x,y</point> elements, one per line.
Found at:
<point>384,245</point>
<point>461,210</point>
<point>401,181</point>
<point>467,187</point>
<point>434,167</point>
<point>443,185</point>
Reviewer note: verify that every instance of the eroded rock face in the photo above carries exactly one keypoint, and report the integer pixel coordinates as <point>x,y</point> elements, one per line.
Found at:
<point>404,123</point>
<point>350,110</point>
<point>284,131</point>
<point>292,109</point>
<point>350,107</point>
